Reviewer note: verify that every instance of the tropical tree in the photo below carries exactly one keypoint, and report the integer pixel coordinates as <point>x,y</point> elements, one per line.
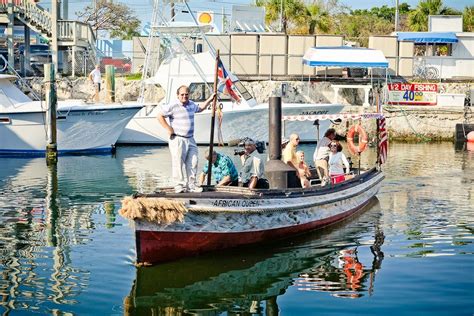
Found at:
<point>317,18</point>
<point>468,19</point>
<point>113,17</point>
<point>293,13</point>
<point>418,18</point>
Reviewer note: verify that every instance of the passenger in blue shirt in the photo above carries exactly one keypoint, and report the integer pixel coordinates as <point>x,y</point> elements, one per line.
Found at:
<point>223,170</point>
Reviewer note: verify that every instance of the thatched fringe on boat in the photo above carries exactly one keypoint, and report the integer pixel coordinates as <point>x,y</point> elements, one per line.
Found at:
<point>158,210</point>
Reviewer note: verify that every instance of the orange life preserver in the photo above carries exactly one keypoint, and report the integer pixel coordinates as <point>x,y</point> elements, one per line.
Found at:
<point>363,140</point>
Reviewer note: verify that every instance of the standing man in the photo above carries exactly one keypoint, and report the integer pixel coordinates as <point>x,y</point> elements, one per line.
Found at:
<point>183,148</point>
<point>96,77</point>
<point>252,167</point>
<point>321,155</point>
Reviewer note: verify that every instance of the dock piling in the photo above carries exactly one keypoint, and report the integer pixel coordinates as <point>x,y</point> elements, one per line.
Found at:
<point>110,82</point>
<point>51,100</point>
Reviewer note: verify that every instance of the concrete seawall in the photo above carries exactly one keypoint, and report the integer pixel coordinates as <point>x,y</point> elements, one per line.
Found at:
<point>428,123</point>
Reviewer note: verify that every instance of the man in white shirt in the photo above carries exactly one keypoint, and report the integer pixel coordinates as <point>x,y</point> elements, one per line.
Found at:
<point>321,155</point>
<point>96,77</point>
<point>180,128</point>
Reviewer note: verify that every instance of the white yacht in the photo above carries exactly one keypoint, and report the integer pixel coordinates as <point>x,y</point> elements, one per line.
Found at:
<point>239,120</point>
<point>81,127</point>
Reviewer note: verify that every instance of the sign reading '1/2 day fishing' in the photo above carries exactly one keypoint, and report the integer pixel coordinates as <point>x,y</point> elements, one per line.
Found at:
<point>412,93</point>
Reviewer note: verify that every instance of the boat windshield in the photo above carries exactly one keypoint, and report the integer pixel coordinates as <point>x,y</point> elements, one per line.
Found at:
<point>243,92</point>
<point>199,92</point>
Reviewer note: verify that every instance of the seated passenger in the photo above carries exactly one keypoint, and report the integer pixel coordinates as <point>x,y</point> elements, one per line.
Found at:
<point>303,170</point>
<point>223,170</point>
<point>337,160</point>
<point>252,167</point>
<point>289,152</point>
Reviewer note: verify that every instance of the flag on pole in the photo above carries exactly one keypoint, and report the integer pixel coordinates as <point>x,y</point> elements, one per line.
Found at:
<point>225,83</point>
<point>383,141</point>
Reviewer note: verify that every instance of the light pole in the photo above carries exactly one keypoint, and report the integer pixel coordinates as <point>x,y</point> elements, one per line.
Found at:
<point>396,15</point>
<point>281,16</point>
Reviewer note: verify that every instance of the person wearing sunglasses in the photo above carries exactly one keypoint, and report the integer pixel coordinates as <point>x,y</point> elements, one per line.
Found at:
<point>183,148</point>
<point>337,161</point>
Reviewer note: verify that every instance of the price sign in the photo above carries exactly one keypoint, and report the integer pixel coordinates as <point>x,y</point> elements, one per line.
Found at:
<point>412,93</point>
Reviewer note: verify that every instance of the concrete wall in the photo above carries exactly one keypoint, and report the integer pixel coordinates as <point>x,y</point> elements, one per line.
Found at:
<point>297,47</point>
<point>221,43</point>
<point>244,60</point>
<point>389,47</point>
<point>405,61</point>
<point>272,55</point>
<point>139,47</point>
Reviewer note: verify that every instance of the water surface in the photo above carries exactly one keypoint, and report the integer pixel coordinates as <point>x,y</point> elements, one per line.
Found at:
<point>64,249</point>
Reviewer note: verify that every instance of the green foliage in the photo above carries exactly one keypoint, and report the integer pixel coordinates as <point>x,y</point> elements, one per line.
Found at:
<point>136,76</point>
<point>468,18</point>
<point>359,27</point>
<point>293,15</point>
<point>116,18</point>
<point>384,12</point>
<point>418,18</point>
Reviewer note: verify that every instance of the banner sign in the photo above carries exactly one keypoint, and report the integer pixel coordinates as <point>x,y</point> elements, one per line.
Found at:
<point>412,93</point>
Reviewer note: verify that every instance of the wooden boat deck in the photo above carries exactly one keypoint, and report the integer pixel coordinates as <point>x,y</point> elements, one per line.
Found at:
<point>230,192</point>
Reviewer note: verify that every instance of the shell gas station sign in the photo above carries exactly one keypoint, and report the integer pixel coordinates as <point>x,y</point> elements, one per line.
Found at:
<point>412,93</point>
<point>205,17</point>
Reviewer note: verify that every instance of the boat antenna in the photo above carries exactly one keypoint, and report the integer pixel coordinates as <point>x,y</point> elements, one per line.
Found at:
<point>213,122</point>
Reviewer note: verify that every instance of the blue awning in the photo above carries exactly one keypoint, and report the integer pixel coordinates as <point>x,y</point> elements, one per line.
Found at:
<point>428,37</point>
<point>343,56</point>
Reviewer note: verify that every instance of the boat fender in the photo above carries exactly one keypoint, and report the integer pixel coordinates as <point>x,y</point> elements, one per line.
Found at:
<point>363,139</point>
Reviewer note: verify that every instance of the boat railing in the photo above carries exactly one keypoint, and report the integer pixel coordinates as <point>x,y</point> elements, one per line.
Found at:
<point>21,82</point>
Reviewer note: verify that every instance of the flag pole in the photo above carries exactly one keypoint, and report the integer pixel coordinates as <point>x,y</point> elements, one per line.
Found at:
<point>213,122</point>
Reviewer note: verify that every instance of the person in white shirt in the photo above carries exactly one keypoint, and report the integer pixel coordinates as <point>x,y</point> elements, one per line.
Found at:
<point>96,77</point>
<point>337,160</point>
<point>321,155</point>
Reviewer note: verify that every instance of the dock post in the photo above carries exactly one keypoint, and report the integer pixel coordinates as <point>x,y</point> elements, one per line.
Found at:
<point>50,87</point>
<point>110,82</point>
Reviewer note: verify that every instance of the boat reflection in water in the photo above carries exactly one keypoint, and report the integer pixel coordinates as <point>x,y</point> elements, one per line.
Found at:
<point>249,280</point>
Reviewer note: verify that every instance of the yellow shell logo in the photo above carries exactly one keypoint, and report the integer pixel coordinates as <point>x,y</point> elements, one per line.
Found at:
<point>205,18</point>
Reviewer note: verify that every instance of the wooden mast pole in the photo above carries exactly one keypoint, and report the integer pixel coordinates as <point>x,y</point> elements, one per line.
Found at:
<point>213,122</point>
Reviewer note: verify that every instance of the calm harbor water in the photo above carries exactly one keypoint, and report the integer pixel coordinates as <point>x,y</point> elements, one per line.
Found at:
<point>65,250</point>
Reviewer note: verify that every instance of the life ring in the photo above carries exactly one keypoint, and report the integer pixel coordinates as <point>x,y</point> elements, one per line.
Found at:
<point>363,140</point>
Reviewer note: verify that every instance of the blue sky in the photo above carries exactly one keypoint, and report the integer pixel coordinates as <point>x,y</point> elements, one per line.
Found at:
<point>143,8</point>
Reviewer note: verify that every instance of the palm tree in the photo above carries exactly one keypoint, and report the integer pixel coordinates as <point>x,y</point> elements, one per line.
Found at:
<point>418,18</point>
<point>468,18</point>
<point>293,11</point>
<point>317,18</point>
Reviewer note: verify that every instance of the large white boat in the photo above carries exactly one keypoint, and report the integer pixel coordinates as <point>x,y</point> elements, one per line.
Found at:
<point>239,120</point>
<point>81,127</point>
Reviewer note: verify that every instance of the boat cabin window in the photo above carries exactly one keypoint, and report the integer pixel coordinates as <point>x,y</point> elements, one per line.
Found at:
<point>200,93</point>
<point>243,92</point>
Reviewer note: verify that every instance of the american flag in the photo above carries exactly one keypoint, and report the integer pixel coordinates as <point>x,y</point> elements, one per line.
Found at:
<point>383,140</point>
<point>225,83</point>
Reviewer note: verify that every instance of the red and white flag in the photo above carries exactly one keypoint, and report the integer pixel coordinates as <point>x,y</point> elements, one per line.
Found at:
<point>226,85</point>
<point>383,140</point>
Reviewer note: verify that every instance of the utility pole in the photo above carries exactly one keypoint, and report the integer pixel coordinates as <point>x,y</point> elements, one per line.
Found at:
<point>54,34</point>
<point>396,15</point>
<point>281,16</point>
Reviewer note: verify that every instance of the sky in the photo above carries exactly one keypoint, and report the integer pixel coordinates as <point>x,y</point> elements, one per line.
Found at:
<point>143,8</point>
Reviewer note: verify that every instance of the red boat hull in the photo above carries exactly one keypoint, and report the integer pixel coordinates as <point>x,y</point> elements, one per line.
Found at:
<point>153,247</point>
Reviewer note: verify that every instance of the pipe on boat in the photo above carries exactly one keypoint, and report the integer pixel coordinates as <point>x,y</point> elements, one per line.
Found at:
<point>278,173</point>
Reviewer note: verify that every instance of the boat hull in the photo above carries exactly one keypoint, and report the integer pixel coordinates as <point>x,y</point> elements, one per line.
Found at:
<point>78,130</point>
<point>237,123</point>
<point>214,224</point>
